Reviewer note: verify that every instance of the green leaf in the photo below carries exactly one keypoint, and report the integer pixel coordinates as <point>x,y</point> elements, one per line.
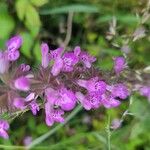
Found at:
<point>127,19</point>
<point>38,3</point>
<point>72,8</point>
<point>136,130</point>
<point>37,51</point>
<point>138,107</point>
<point>27,43</point>
<point>33,22</point>
<point>21,6</point>
<point>42,128</point>
<point>93,49</point>
<point>7,23</point>
<point>31,123</point>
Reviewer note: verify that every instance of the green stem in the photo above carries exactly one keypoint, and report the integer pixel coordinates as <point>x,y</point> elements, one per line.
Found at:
<point>51,132</point>
<point>108,134</point>
<point>14,147</point>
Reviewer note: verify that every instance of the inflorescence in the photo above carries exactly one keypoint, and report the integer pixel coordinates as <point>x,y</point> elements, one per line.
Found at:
<point>63,80</point>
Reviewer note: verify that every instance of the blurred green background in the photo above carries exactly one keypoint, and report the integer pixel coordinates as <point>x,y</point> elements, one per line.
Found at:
<point>102,27</point>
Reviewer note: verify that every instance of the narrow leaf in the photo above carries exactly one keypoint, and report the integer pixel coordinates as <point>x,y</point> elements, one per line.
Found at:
<point>73,8</point>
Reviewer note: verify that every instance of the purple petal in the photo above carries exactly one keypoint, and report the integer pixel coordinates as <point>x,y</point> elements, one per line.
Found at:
<point>13,55</point>
<point>69,61</point>
<point>19,103</point>
<point>57,66</point>
<point>94,99</point>
<point>119,64</point>
<point>67,99</point>
<point>80,96</point>
<point>22,83</point>
<point>120,90</point>
<point>93,84</point>
<point>54,54</point>
<point>14,43</point>
<point>45,55</point>
<point>53,115</point>
<point>145,91</point>
<point>84,102</point>
<point>110,102</point>
<point>3,134</point>
<point>30,97</point>
<point>82,83</point>
<point>4,124</point>
<point>51,95</point>
<point>77,50</point>
<point>34,107</point>
<point>87,59</point>
<point>48,119</point>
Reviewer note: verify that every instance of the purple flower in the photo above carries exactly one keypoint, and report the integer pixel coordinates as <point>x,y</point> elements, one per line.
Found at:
<point>109,101</point>
<point>34,107</point>
<point>67,99</point>
<point>4,63</point>
<point>14,43</point>
<point>145,91</point>
<point>119,90</point>
<point>62,97</point>
<point>22,83</point>
<point>58,62</point>
<point>93,84</point>
<point>13,55</point>
<point>87,59</point>
<point>70,59</point>
<point>89,101</point>
<point>45,55</point>
<point>51,95</point>
<point>19,103</point>
<point>57,66</point>
<point>54,54</point>
<point>119,64</point>
<point>53,115</point>
<point>4,126</point>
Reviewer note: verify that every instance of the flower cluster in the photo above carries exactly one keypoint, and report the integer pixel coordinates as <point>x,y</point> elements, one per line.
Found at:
<point>62,80</point>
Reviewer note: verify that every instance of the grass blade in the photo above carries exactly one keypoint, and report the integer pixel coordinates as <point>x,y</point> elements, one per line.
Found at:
<point>70,8</point>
